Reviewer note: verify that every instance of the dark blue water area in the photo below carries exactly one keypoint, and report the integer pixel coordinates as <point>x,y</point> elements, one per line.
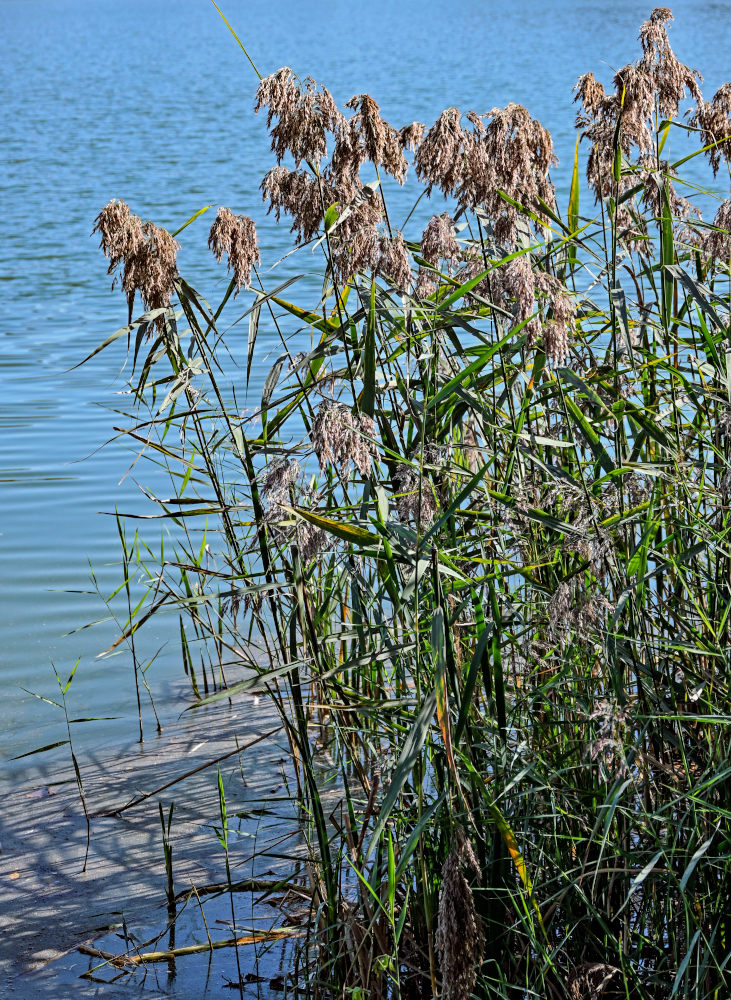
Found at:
<point>152,102</point>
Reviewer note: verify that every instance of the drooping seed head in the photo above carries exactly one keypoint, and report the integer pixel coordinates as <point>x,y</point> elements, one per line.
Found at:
<point>367,136</point>
<point>717,242</point>
<point>235,236</point>
<point>340,437</point>
<point>438,241</point>
<point>439,158</point>
<point>146,253</point>
<point>713,118</point>
<point>394,261</point>
<point>304,113</point>
<point>279,477</point>
<point>411,135</point>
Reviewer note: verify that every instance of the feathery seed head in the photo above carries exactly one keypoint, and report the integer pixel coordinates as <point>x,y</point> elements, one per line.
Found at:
<point>235,236</point>
<point>425,284</point>
<point>459,939</point>
<point>394,261</point>
<point>340,437</point>
<point>591,93</point>
<point>415,502</point>
<point>717,242</point>
<point>305,115</point>
<point>279,477</point>
<point>713,118</point>
<point>120,232</point>
<point>411,135</point>
<point>147,254</point>
<point>438,241</point>
<point>439,158</point>
<point>367,136</point>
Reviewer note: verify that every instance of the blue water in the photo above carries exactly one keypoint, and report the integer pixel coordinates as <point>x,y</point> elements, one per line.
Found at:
<point>151,101</point>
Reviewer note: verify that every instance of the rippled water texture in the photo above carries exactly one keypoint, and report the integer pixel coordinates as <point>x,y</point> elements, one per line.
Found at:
<point>152,102</point>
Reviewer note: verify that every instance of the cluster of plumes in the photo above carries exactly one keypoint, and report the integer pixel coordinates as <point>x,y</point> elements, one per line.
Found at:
<point>367,136</point>
<point>146,253</point>
<point>516,285</point>
<point>504,150</point>
<point>459,939</point>
<point>658,81</point>
<point>340,437</point>
<point>356,242</point>
<point>438,243</point>
<point>305,115</point>
<point>300,118</point>
<point>235,236</point>
<point>713,118</point>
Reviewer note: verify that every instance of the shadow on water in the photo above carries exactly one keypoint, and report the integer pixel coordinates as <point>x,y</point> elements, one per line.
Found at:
<point>50,906</point>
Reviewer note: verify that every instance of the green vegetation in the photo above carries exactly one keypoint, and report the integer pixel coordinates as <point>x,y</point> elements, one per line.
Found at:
<point>475,542</point>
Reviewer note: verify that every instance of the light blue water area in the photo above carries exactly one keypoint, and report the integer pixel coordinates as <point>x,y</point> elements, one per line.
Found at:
<point>151,101</point>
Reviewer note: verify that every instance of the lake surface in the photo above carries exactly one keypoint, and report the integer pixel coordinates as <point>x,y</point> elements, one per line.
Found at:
<point>152,102</point>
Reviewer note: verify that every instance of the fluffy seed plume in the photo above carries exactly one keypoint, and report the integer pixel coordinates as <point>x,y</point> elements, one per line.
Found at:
<point>718,240</point>
<point>658,184</point>
<point>280,476</point>
<point>670,79</point>
<point>591,93</point>
<point>235,236</point>
<point>459,940</point>
<point>415,502</point>
<point>120,232</point>
<point>355,241</point>
<point>657,81</point>
<point>340,437</point>
<point>516,280</point>
<point>146,253</point>
<point>411,135</point>
<point>713,118</point>
<point>297,194</point>
<point>512,153</point>
<point>367,136</point>
<point>438,241</point>
<point>440,157</point>
<point>305,115</point>
<point>361,252</point>
<point>312,541</point>
<point>563,311</point>
<point>425,284</point>
<point>394,261</point>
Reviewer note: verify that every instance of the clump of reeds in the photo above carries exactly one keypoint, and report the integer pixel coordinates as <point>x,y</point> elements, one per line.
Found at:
<point>476,548</point>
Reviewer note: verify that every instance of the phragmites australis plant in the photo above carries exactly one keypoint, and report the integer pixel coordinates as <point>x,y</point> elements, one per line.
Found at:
<point>474,541</point>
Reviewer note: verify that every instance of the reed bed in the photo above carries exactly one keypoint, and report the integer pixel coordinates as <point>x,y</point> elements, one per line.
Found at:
<point>474,542</point>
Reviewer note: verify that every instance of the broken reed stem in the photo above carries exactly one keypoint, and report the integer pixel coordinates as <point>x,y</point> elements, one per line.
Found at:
<point>257,937</point>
